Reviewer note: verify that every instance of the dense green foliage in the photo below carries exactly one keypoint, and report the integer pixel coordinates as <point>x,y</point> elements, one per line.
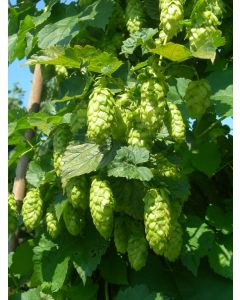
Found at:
<point>129,185</point>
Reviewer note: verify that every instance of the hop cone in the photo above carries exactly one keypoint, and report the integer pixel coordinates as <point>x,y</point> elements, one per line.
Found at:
<point>138,137</point>
<point>77,192</point>
<point>101,206</point>
<point>171,16</point>
<point>137,247</point>
<point>73,219</point>
<point>12,214</point>
<point>61,70</point>
<point>61,138</point>
<point>135,15</point>
<point>157,220</point>
<point>199,36</point>
<point>100,114</point>
<point>197,98</point>
<point>152,105</point>
<point>174,123</point>
<point>53,226</point>
<point>79,118</point>
<point>174,243</point>
<point>32,209</point>
<point>163,167</point>
<point>121,233</point>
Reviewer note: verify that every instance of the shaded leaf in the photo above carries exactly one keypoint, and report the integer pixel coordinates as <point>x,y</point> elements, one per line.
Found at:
<point>35,174</point>
<point>86,291</point>
<point>136,39</point>
<point>223,101</point>
<point>22,259</point>
<point>32,294</point>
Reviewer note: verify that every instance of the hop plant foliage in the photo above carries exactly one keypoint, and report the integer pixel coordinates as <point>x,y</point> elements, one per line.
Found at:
<point>157,219</point>
<point>77,192</point>
<point>53,226</point>
<point>121,233</point>
<point>12,214</point>
<point>79,118</point>
<point>137,247</point>
<point>135,15</point>
<point>175,124</point>
<point>100,114</point>
<point>74,219</point>
<point>197,98</point>
<point>163,167</point>
<point>32,209</point>
<point>101,204</point>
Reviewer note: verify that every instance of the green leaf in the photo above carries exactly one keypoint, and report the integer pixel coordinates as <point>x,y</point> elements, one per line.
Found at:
<point>32,294</point>
<point>12,43</point>
<point>221,258</point>
<point>17,152</point>
<point>95,60</point>
<point>80,159</point>
<point>86,291</point>
<point>173,52</point>
<point>113,268</point>
<point>88,256</point>
<point>35,174</point>
<point>44,122</point>
<point>223,101</point>
<point>137,38</point>
<point>22,259</point>
<point>104,10</point>
<point>206,158</point>
<point>137,292</point>
<point>198,241</point>
<point>60,274</point>
<point>219,219</point>
<point>126,161</point>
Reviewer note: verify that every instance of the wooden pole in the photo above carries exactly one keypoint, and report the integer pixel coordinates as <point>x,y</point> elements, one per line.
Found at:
<point>19,185</point>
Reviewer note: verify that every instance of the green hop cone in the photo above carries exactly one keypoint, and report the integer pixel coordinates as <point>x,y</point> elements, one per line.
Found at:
<point>61,138</point>
<point>199,36</point>
<point>197,98</point>
<point>170,18</point>
<point>174,243</point>
<point>174,123</point>
<point>53,226</point>
<point>12,214</point>
<point>61,71</point>
<point>137,246</point>
<point>100,115</point>
<point>157,220</point>
<point>163,167</point>
<point>121,233</point>
<point>32,209</point>
<point>134,15</point>
<point>79,118</point>
<point>138,137</point>
<point>101,204</point>
<point>152,105</point>
<point>74,219</point>
<point>77,192</point>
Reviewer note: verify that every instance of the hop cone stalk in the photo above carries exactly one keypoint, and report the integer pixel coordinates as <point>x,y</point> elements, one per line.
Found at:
<point>135,15</point>
<point>157,220</point>
<point>12,214</point>
<point>197,98</point>
<point>32,209</point>
<point>77,192</point>
<point>101,206</point>
<point>100,114</point>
